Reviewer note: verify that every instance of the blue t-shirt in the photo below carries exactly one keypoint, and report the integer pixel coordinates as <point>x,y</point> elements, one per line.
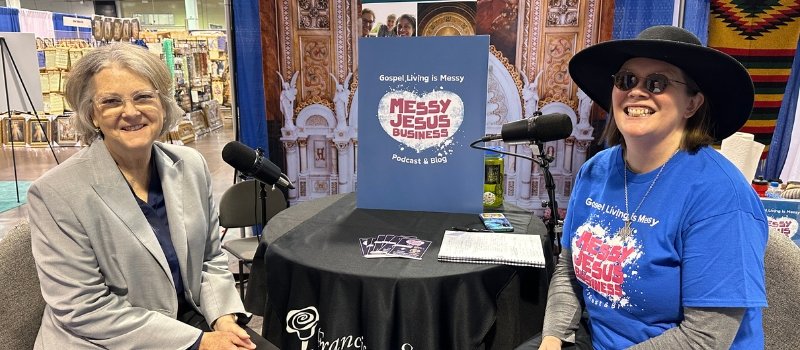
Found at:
<point>698,241</point>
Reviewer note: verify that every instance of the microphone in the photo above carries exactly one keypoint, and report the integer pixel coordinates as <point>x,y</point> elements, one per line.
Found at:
<point>251,163</point>
<point>543,128</point>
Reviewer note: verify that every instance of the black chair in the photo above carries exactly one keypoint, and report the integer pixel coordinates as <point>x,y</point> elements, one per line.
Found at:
<point>240,207</point>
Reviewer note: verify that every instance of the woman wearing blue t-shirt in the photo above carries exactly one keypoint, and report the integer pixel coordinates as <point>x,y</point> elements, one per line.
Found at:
<point>664,238</point>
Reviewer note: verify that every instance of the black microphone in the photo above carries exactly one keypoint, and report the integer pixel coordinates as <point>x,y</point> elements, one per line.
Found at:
<point>543,128</point>
<point>251,163</point>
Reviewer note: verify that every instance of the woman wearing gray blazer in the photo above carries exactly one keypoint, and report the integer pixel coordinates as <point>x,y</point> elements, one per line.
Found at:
<point>125,233</point>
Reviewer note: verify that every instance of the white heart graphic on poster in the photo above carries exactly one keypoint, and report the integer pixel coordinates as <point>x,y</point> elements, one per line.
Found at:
<point>421,122</point>
<point>784,225</point>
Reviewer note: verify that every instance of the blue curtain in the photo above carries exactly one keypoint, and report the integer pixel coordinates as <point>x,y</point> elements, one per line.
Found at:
<point>782,138</point>
<point>69,32</point>
<point>695,18</point>
<point>9,19</point>
<point>633,16</point>
<point>249,75</point>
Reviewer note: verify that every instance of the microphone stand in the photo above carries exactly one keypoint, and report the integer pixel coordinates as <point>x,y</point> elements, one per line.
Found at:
<point>550,185</point>
<point>262,196</point>
<point>543,160</point>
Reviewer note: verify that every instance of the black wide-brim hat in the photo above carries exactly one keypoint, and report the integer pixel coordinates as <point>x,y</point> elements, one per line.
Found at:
<point>724,81</point>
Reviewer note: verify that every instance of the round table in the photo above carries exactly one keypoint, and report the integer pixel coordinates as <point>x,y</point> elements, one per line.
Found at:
<point>309,276</point>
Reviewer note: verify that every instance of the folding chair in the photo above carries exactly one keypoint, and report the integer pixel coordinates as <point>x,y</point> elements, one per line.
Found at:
<point>240,206</point>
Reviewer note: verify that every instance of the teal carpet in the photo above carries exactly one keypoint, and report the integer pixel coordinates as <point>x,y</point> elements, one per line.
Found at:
<point>8,199</point>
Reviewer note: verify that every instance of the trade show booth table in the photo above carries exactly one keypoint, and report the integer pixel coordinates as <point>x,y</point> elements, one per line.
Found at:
<point>316,291</point>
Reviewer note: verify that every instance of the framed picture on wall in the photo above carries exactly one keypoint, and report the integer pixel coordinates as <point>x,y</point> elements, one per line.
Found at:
<point>199,121</point>
<point>38,132</point>
<point>107,33</point>
<point>135,29</point>
<point>64,133</point>
<point>126,30</point>
<point>117,29</point>
<point>14,130</point>
<point>319,154</point>
<point>97,28</point>
<point>186,132</point>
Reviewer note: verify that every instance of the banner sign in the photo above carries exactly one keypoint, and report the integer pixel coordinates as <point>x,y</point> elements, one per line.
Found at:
<point>77,22</point>
<point>421,102</point>
<point>783,216</point>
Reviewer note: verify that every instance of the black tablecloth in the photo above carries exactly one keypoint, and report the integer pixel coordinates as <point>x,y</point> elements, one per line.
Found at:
<point>335,298</point>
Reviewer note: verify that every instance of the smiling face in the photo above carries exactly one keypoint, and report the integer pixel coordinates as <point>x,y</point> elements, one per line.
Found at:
<point>649,118</point>
<point>367,21</point>
<point>129,129</point>
<point>404,27</point>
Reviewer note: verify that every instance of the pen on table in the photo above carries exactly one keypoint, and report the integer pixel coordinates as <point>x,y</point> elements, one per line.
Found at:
<point>468,229</point>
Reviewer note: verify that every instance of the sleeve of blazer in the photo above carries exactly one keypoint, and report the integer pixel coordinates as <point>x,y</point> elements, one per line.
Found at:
<point>74,288</point>
<point>218,294</point>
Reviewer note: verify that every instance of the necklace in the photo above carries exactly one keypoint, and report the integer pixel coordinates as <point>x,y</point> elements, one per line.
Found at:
<point>626,231</point>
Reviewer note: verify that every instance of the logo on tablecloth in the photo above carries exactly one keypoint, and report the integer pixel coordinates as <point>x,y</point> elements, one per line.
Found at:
<point>304,323</point>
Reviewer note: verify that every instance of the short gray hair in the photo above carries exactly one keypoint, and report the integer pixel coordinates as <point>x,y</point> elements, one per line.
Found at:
<point>80,88</point>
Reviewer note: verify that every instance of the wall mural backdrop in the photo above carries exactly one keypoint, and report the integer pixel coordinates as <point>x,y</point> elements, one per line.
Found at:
<point>531,43</point>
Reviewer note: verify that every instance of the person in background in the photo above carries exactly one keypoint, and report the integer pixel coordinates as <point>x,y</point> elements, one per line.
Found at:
<point>367,21</point>
<point>388,29</point>
<point>406,25</point>
<point>664,238</point>
<point>125,233</point>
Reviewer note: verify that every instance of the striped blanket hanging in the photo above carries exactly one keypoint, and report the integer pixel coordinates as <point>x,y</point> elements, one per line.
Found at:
<point>762,35</point>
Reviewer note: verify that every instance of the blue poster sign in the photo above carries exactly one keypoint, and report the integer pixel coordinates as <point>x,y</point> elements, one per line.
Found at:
<point>421,102</point>
<point>783,216</point>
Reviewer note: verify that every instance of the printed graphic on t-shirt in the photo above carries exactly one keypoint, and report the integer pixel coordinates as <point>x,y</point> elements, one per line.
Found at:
<point>599,260</point>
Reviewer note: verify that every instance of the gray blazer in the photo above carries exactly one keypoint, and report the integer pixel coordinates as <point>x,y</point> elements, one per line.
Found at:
<point>103,274</point>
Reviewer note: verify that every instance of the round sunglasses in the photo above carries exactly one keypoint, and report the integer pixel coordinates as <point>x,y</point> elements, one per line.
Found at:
<point>656,83</point>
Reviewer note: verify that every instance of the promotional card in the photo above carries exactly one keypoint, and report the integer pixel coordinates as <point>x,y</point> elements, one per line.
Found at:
<point>422,101</point>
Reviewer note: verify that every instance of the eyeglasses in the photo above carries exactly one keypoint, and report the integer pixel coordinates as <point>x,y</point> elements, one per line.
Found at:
<point>655,83</point>
<point>114,103</point>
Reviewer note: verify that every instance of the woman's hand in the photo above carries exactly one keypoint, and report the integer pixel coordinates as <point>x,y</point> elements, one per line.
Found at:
<point>550,342</point>
<point>227,325</point>
<point>223,340</point>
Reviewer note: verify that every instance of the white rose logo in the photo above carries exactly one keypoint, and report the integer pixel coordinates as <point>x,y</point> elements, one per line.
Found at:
<point>303,322</point>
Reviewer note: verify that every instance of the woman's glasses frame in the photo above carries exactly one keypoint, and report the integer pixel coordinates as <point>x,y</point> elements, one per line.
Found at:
<point>655,83</point>
<point>143,99</point>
